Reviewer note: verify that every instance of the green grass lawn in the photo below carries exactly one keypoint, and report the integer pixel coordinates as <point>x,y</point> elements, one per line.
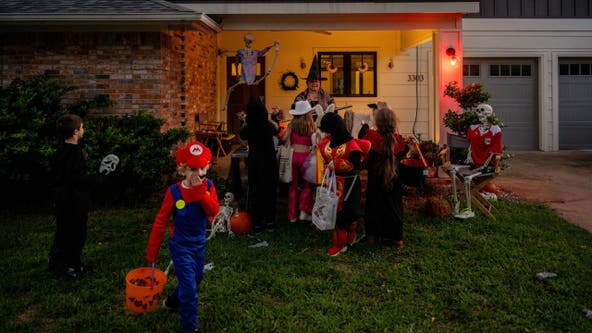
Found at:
<point>476,275</point>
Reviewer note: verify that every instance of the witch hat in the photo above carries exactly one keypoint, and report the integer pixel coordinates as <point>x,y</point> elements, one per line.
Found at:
<point>314,73</point>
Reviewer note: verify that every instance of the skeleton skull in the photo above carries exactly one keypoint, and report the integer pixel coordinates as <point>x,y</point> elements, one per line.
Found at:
<point>484,111</point>
<point>108,164</point>
<point>228,198</point>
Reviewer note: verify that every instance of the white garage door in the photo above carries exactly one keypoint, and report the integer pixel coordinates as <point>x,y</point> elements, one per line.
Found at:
<point>513,86</point>
<point>575,103</point>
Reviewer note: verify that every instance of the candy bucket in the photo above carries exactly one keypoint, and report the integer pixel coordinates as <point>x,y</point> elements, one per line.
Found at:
<point>140,296</point>
<point>412,172</point>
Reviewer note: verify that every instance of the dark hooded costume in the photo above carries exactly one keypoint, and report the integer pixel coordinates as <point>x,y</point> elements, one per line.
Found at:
<point>262,165</point>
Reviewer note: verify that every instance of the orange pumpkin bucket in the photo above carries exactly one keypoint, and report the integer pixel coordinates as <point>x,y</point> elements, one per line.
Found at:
<point>142,292</point>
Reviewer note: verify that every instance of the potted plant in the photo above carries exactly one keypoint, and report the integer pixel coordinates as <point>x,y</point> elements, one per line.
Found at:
<point>431,154</point>
<point>467,98</point>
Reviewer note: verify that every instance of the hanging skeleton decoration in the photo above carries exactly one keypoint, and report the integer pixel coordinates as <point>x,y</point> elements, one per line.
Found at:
<point>247,58</point>
<point>221,222</point>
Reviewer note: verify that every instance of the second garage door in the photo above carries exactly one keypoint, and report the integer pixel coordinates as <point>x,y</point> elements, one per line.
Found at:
<point>575,103</point>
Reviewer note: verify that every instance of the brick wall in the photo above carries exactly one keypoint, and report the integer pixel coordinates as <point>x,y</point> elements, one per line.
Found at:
<point>190,76</point>
<point>171,77</point>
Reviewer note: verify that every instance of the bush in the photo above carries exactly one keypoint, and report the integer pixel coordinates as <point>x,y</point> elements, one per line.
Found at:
<point>467,98</point>
<point>28,113</point>
<point>145,161</point>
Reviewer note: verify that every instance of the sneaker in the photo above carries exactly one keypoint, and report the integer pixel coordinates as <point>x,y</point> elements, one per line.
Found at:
<point>304,216</point>
<point>293,220</point>
<point>72,273</point>
<point>335,251</point>
<point>465,214</point>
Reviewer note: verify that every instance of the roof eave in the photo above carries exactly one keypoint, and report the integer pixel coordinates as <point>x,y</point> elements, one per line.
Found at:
<point>105,20</point>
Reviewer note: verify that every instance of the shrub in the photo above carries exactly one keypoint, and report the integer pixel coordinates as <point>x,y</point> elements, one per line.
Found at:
<point>28,113</point>
<point>145,161</point>
<point>467,98</point>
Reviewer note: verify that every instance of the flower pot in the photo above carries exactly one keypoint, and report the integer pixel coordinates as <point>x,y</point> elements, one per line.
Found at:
<point>455,140</point>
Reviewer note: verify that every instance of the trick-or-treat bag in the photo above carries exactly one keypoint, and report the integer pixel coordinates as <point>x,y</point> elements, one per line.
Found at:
<point>324,211</point>
<point>284,157</point>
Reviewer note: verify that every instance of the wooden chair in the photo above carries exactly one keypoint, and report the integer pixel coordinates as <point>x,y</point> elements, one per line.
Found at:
<point>226,139</point>
<point>470,181</point>
<point>478,178</point>
<point>216,131</point>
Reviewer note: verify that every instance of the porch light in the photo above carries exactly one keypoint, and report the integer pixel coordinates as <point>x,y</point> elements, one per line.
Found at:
<point>451,52</point>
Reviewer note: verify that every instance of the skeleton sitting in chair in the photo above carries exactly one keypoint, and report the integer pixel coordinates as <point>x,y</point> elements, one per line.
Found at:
<point>485,148</point>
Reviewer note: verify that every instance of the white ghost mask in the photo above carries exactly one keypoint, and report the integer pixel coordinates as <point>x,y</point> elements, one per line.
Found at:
<point>108,164</point>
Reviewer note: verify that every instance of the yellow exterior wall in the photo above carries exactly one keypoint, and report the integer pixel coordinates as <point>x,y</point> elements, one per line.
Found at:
<point>394,84</point>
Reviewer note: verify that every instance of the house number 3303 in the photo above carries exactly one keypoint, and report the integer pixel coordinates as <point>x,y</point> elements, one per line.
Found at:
<point>415,77</point>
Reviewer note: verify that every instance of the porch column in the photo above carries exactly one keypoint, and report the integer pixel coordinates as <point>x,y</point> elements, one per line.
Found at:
<point>448,45</point>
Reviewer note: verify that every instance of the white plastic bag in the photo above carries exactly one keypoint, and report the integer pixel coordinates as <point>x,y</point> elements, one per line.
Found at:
<point>324,211</point>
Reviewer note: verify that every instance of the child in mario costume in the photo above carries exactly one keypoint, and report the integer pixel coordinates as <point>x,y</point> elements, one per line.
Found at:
<point>190,202</point>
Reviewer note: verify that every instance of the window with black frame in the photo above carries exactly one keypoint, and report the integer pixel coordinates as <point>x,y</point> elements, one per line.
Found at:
<point>349,74</point>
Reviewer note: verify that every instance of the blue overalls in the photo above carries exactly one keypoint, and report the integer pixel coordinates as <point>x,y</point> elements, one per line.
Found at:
<point>187,248</point>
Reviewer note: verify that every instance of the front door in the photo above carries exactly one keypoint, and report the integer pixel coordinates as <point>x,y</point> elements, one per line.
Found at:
<point>240,95</point>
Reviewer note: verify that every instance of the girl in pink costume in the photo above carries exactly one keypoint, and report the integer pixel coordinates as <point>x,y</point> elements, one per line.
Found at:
<point>299,133</point>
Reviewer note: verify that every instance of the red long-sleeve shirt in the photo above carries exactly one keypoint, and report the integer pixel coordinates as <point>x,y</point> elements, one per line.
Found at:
<point>207,199</point>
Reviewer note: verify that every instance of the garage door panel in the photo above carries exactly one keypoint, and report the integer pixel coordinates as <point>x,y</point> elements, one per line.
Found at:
<point>513,98</point>
<point>577,134</point>
<point>575,103</point>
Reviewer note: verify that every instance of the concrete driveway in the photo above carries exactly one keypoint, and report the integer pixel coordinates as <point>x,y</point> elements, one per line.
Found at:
<point>562,179</point>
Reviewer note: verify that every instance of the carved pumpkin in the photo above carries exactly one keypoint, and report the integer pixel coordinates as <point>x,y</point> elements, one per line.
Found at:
<point>438,207</point>
<point>240,222</point>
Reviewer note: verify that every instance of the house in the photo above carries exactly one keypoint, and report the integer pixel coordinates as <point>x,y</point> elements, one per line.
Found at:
<point>535,57</point>
<point>176,59</point>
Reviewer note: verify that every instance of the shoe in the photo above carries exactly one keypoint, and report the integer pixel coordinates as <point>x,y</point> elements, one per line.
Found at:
<point>394,243</point>
<point>339,243</point>
<point>371,239</point>
<point>352,233</point>
<point>304,216</point>
<point>465,214</point>
<point>270,226</point>
<point>169,306</point>
<point>293,220</point>
<point>71,273</point>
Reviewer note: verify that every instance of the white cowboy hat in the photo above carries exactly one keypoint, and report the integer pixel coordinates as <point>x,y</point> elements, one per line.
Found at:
<point>300,108</point>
